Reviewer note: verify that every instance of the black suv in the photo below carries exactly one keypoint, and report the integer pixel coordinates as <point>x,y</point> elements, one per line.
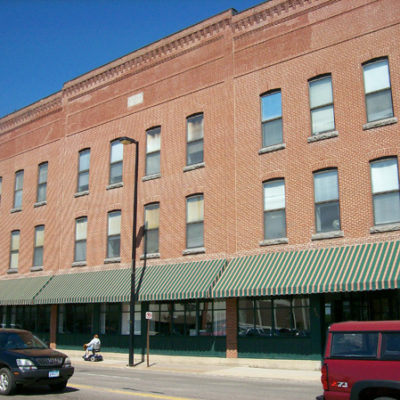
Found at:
<point>26,360</point>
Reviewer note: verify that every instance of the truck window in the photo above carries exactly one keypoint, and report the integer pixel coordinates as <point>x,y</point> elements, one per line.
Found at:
<point>391,346</point>
<point>354,345</point>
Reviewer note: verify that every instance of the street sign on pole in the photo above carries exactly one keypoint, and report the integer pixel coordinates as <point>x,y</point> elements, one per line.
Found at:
<point>149,315</point>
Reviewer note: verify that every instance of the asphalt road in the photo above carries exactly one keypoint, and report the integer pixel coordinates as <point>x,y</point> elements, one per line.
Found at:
<point>124,383</point>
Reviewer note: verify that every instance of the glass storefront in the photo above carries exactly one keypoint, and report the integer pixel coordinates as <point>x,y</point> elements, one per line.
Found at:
<point>191,318</point>
<point>270,316</point>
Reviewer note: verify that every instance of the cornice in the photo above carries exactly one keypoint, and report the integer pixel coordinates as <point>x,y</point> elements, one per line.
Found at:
<point>158,52</point>
<point>30,113</point>
<point>266,12</point>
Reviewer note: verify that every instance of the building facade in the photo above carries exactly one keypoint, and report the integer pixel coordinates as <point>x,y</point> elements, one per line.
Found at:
<point>268,191</point>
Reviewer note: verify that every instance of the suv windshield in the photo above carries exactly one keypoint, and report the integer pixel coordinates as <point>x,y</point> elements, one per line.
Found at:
<point>20,340</point>
<point>354,345</point>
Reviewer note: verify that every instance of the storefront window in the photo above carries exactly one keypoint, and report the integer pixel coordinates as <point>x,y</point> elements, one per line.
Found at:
<point>109,319</point>
<point>126,316</point>
<point>195,318</point>
<point>3,316</point>
<point>288,316</point>
<point>78,318</point>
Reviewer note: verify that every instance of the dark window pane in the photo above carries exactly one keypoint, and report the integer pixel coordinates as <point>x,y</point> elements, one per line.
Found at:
<point>83,183</point>
<point>116,173</point>
<point>327,217</point>
<point>80,251</point>
<point>152,241</point>
<point>195,235</point>
<point>18,199</point>
<point>152,163</point>
<point>38,257</point>
<point>195,152</point>
<point>391,346</point>
<point>354,345</point>
<point>113,248</point>
<point>387,208</point>
<point>379,105</point>
<point>41,195</point>
<point>274,224</point>
<point>272,132</point>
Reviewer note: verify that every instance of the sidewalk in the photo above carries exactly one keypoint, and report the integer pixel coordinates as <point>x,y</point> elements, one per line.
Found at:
<point>294,370</point>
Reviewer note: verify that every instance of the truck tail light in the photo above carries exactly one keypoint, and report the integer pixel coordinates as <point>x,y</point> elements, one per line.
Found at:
<point>324,376</point>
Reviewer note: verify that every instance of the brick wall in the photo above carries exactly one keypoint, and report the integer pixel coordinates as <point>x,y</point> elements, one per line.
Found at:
<point>218,67</point>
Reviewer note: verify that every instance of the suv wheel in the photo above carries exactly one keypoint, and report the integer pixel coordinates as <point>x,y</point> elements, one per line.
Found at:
<point>7,382</point>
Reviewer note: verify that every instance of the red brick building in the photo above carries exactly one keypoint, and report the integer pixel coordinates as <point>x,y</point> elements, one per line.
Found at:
<point>268,186</point>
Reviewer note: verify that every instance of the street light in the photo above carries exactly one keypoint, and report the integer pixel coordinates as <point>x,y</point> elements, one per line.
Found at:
<point>126,141</point>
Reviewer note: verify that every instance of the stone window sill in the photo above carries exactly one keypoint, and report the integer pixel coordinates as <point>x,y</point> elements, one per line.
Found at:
<point>271,242</point>
<point>38,268</point>
<point>40,204</point>
<point>79,264</point>
<point>12,271</point>
<point>385,228</point>
<point>322,136</point>
<point>151,177</point>
<point>270,149</point>
<point>150,256</point>
<point>194,166</point>
<point>327,235</point>
<point>379,123</point>
<point>112,260</point>
<point>15,210</point>
<point>195,250</point>
<point>115,186</point>
<point>80,194</point>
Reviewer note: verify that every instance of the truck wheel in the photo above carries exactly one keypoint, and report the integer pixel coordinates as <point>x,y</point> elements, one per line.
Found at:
<point>7,382</point>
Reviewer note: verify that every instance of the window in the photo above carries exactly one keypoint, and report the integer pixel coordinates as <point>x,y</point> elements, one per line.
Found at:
<point>378,93</point>
<point>19,183</point>
<point>271,118</point>
<point>80,239</point>
<point>274,209</point>
<point>110,316</point>
<point>114,234</point>
<point>321,105</point>
<point>266,316</point>
<point>153,146</point>
<point>326,196</point>
<point>385,191</point>
<point>116,157</point>
<point>354,345</point>
<point>194,221</point>
<point>83,170</point>
<point>391,346</point>
<point>38,246</point>
<point>189,318</point>
<point>14,250</point>
<point>42,183</point>
<point>125,328</point>
<point>195,139</point>
<point>151,223</point>
<point>76,318</point>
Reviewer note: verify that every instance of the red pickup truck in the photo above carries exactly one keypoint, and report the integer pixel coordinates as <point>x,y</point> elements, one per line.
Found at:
<point>362,361</point>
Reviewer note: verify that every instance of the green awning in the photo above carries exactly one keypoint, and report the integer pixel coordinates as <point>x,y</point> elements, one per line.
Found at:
<point>21,291</point>
<point>180,281</point>
<point>87,287</point>
<point>365,267</point>
<point>162,282</point>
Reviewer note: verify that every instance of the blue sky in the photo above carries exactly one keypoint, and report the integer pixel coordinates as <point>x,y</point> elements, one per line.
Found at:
<point>45,43</point>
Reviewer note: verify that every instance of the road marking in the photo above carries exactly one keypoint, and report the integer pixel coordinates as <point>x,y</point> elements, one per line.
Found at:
<point>137,394</point>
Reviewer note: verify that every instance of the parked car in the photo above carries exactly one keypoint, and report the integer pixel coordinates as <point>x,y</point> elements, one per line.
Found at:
<point>362,361</point>
<point>26,360</point>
